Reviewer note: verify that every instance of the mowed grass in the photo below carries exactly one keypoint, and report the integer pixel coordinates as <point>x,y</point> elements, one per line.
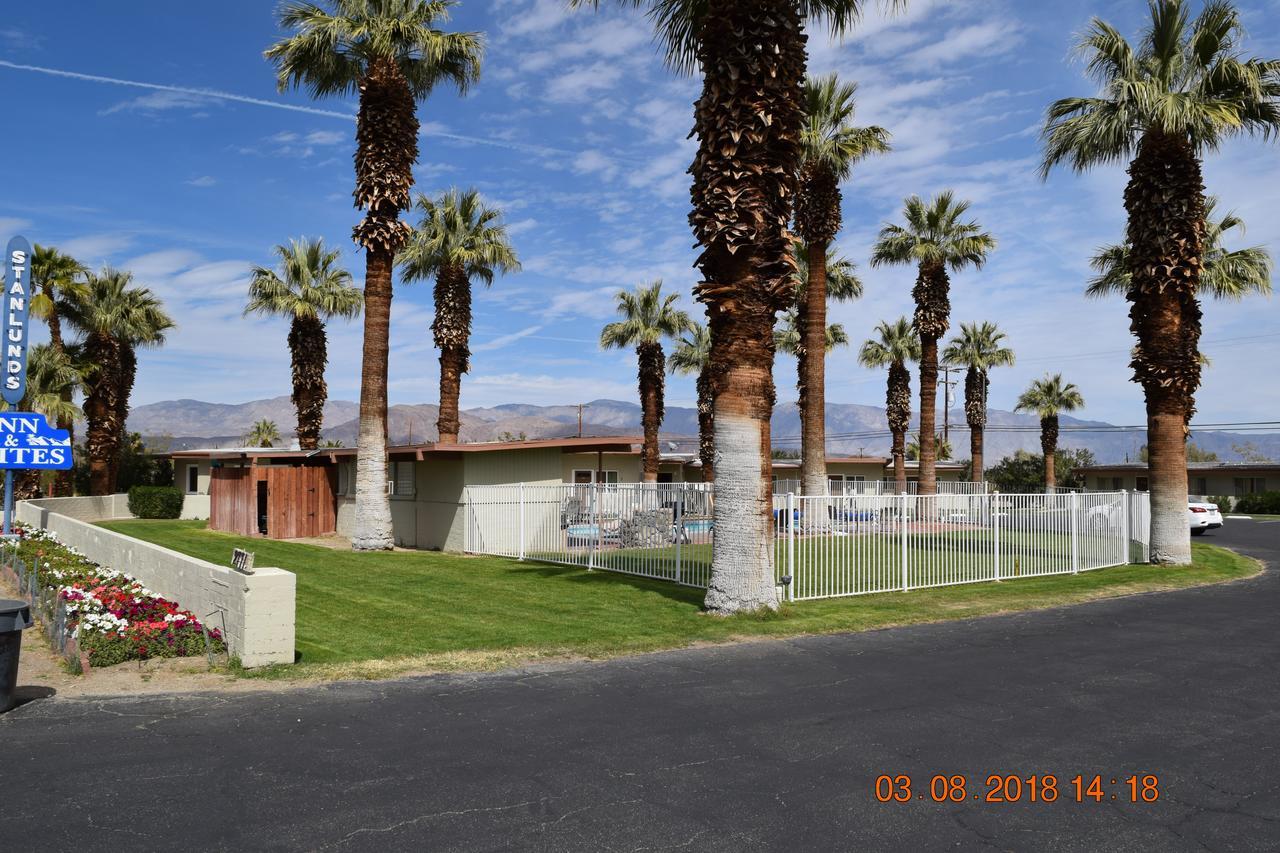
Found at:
<point>370,615</point>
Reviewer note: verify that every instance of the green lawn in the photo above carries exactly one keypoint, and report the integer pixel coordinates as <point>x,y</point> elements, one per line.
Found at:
<point>362,615</point>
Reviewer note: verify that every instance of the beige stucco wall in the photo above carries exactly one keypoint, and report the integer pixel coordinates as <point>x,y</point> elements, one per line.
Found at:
<point>255,612</point>
<point>626,464</point>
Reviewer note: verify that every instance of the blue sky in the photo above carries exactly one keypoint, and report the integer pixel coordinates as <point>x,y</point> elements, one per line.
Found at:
<point>579,132</point>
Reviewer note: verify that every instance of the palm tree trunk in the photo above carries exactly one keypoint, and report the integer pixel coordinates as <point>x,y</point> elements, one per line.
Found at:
<point>99,408</point>
<point>975,409</point>
<point>897,404</point>
<point>928,415</point>
<point>63,481</point>
<point>387,146</point>
<point>932,318</point>
<point>651,372</point>
<point>812,366</point>
<point>373,527</point>
<point>1049,447</point>
<point>899,454</point>
<point>452,331</point>
<point>747,121</point>
<point>1165,202</point>
<point>126,375</point>
<point>308,348</point>
<point>706,427</point>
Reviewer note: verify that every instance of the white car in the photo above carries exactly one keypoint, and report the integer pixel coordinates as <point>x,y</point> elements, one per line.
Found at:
<point>1203,516</point>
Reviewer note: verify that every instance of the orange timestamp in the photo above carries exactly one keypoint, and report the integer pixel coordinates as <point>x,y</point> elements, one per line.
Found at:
<point>1015,788</point>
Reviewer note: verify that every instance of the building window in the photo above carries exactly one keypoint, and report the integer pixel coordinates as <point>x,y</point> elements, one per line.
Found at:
<point>609,478</point>
<point>402,479</point>
<point>666,477</point>
<point>1200,486</point>
<point>1143,485</point>
<point>1250,486</point>
<point>193,479</point>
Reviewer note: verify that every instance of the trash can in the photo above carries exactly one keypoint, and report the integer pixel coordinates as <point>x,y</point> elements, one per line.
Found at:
<point>15,617</point>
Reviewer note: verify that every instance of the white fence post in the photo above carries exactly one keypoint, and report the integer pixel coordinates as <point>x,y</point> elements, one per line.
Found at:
<point>521,557</point>
<point>466,520</point>
<point>994,501</point>
<point>1126,530</point>
<point>791,545</point>
<point>593,516</point>
<point>1075,532</point>
<point>678,525</point>
<point>902,519</point>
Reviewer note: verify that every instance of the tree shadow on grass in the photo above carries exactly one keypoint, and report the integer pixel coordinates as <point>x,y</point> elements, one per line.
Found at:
<point>573,574</point>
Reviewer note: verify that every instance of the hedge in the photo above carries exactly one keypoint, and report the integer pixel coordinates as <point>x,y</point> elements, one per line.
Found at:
<point>1263,503</point>
<point>155,501</point>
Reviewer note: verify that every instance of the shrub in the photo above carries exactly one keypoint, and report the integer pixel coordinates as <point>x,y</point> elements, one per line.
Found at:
<point>1263,503</point>
<point>1224,502</point>
<point>155,501</point>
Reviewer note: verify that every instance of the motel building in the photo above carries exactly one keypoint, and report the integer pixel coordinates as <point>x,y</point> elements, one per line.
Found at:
<point>1204,479</point>
<point>288,494</point>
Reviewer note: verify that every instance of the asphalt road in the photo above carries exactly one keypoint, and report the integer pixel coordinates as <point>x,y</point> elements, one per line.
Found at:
<point>772,745</point>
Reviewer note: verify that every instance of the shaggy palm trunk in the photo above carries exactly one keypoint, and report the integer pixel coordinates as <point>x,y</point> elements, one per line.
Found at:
<point>452,331</point>
<point>932,317</point>
<point>308,348</point>
<point>387,146</point>
<point>650,374</point>
<point>747,121</point>
<point>99,410</point>
<point>63,481</point>
<point>818,222</point>
<point>975,410</point>
<point>898,408</point>
<point>706,427</point>
<point>1049,447</point>
<point>1165,202</point>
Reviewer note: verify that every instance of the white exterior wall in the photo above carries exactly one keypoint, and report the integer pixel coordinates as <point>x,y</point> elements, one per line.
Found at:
<point>255,612</point>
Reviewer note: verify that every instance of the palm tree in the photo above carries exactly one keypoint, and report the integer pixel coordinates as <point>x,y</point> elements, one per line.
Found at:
<point>748,121</point>
<point>115,318</point>
<point>390,53</point>
<point>934,239</point>
<point>1224,274</point>
<point>459,240</point>
<point>263,433</point>
<point>1047,398</point>
<point>830,146</point>
<point>1184,89</point>
<point>895,344</point>
<point>977,348</point>
<point>648,318</point>
<point>787,337</point>
<point>690,357</point>
<point>313,289</point>
<point>53,276</point>
<point>53,376</point>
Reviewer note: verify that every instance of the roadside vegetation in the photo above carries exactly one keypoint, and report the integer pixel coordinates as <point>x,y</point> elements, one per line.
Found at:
<point>381,613</point>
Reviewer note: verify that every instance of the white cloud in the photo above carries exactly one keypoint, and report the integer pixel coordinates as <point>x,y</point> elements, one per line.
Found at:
<point>160,101</point>
<point>203,181</point>
<point>581,83</point>
<point>990,38</point>
<point>96,249</point>
<point>10,226</point>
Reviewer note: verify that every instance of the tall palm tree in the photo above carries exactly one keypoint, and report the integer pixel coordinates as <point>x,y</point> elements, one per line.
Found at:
<point>1047,398</point>
<point>788,337</point>
<point>1224,273</point>
<point>830,146</point>
<point>648,318</point>
<point>114,317</point>
<point>748,121</point>
<point>895,344</point>
<point>263,433</point>
<point>53,376</point>
<point>459,240</point>
<point>1182,90</point>
<point>54,275</point>
<point>941,443</point>
<point>978,348</point>
<point>691,356</point>
<point>391,54</point>
<point>313,289</point>
<point>935,239</point>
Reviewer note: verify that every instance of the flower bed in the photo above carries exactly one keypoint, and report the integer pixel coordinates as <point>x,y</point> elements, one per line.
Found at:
<point>112,617</point>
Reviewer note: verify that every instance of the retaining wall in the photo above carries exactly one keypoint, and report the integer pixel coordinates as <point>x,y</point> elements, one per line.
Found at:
<point>255,612</point>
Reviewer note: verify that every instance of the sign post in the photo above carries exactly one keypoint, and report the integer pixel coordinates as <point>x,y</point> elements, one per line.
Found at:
<point>27,441</point>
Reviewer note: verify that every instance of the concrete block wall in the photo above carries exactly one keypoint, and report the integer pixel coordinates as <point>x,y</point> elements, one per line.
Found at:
<point>255,612</point>
<point>195,507</point>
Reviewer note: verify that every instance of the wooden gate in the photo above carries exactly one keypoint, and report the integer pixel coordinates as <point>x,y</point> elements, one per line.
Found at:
<point>300,502</point>
<point>233,504</point>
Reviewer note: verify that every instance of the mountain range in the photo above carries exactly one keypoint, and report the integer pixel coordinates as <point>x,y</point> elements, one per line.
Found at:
<point>851,428</point>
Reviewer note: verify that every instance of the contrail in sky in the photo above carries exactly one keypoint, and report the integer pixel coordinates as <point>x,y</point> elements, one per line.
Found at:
<point>262,102</point>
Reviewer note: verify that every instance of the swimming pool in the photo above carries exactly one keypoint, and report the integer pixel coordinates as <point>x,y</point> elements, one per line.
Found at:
<point>699,525</point>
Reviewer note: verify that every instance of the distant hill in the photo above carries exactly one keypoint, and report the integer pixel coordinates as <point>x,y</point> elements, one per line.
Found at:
<point>219,424</point>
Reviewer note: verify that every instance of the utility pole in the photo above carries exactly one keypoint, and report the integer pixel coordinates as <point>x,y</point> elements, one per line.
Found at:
<point>581,406</point>
<point>947,385</point>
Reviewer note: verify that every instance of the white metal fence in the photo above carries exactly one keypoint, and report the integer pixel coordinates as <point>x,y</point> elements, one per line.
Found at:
<point>882,487</point>
<point>825,546</point>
